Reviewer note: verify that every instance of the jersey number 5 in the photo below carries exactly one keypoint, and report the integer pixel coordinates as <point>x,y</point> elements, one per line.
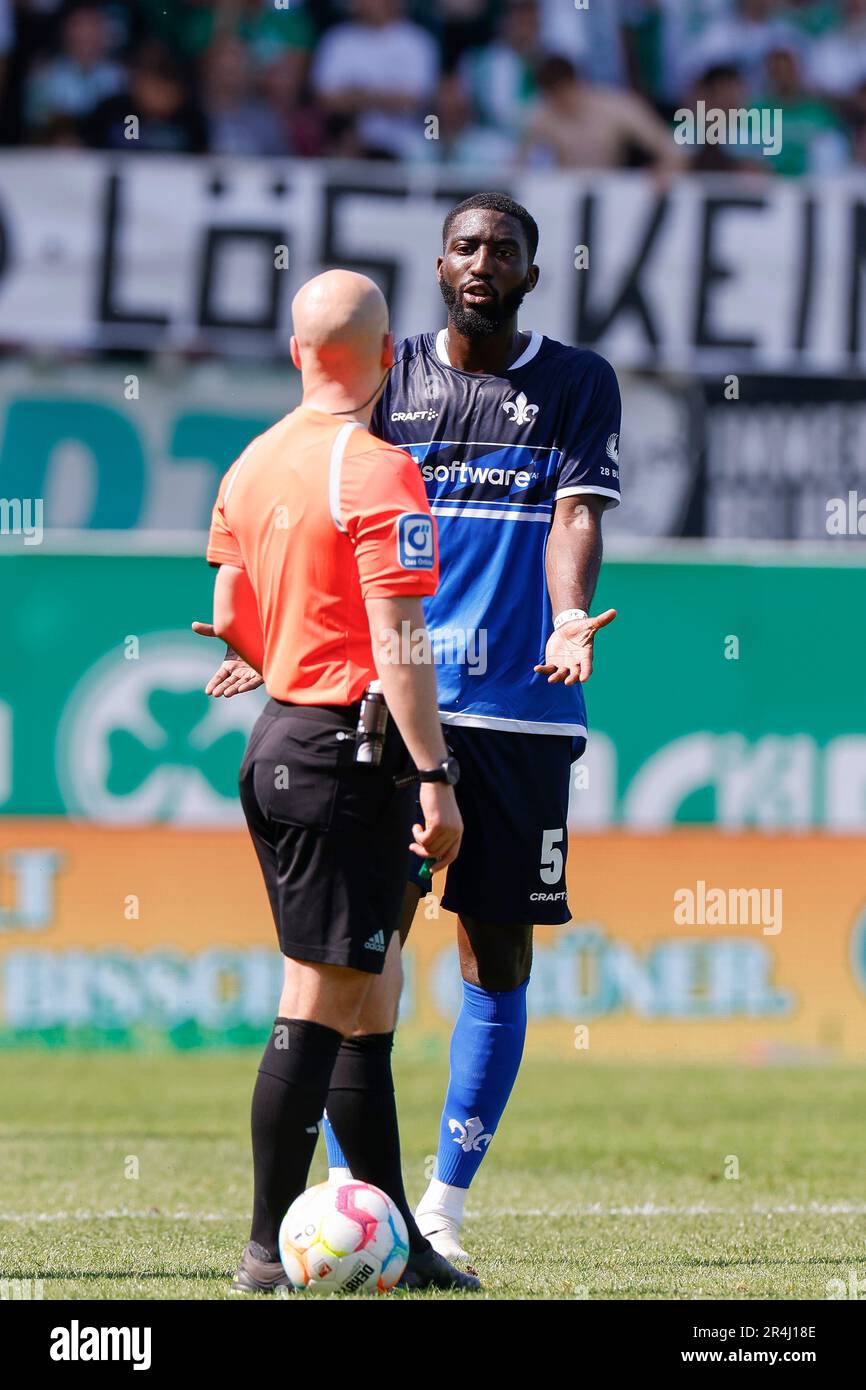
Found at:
<point>551,856</point>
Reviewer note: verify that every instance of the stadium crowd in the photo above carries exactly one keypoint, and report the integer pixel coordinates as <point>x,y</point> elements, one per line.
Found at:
<point>493,83</point>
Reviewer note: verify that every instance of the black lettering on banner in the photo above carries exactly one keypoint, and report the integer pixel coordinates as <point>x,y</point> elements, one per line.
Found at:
<point>384,270</point>
<point>449,195</point>
<point>108,310</point>
<point>713,272</point>
<point>858,265</point>
<point>594,321</point>
<point>807,274</point>
<point>266,318</point>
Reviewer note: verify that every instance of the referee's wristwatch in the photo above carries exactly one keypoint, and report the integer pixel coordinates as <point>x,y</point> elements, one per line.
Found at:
<point>448,771</point>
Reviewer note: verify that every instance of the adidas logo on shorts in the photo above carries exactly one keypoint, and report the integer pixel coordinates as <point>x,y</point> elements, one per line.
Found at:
<point>376,942</point>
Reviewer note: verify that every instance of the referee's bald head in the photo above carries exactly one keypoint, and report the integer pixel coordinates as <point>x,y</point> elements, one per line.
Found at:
<point>341,344</point>
<point>340,313</point>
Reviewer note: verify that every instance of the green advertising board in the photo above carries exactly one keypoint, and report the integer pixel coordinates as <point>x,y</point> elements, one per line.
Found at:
<point>725,693</point>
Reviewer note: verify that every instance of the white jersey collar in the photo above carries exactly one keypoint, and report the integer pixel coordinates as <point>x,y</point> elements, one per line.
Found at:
<point>530,351</point>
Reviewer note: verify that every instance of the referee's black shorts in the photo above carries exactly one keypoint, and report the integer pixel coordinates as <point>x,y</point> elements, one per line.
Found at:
<point>331,834</point>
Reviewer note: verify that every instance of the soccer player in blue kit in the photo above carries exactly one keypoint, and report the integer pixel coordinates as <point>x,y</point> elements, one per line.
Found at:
<point>517,439</point>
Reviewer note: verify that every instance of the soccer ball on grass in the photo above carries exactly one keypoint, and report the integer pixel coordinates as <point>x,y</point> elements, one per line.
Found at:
<point>346,1238</point>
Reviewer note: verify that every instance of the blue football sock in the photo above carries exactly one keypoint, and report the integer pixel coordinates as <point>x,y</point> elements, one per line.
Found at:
<point>336,1157</point>
<point>486,1048</point>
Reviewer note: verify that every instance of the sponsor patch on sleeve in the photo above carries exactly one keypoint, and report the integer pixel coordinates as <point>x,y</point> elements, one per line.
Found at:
<point>415,546</point>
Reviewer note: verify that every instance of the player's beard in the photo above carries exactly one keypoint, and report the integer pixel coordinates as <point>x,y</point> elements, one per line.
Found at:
<point>484,321</point>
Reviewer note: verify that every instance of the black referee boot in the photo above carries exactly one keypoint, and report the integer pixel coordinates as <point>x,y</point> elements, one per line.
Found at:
<point>257,1274</point>
<point>427,1269</point>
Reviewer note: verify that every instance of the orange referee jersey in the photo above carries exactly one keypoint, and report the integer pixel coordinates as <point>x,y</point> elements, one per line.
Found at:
<point>322,516</point>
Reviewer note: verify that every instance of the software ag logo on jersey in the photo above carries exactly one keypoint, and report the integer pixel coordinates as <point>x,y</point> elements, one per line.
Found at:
<point>464,473</point>
<point>415,545</point>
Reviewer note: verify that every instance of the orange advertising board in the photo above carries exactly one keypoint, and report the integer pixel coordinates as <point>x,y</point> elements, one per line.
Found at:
<point>689,945</point>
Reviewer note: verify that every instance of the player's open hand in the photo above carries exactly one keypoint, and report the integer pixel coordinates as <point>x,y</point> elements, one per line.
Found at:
<point>233,676</point>
<point>568,654</point>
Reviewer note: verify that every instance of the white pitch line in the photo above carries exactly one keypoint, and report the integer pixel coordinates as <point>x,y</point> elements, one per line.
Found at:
<point>651,1209</point>
<point>594,1210</point>
<point>119,1214</point>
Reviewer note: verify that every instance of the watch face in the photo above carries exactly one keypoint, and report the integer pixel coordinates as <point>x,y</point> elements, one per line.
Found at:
<point>452,768</point>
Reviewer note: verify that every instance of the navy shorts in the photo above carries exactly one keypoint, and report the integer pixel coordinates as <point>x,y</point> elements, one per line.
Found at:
<point>513,797</point>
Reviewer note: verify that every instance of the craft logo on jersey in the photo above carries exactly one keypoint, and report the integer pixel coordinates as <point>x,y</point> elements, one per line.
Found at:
<point>415,546</point>
<point>612,448</point>
<point>519,411</point>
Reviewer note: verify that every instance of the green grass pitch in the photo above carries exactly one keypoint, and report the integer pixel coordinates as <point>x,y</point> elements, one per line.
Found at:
<point>604,1181</point>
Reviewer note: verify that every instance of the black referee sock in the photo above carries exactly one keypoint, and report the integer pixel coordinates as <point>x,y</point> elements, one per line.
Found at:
<point>289,1095</point>
<point>363,1112</point>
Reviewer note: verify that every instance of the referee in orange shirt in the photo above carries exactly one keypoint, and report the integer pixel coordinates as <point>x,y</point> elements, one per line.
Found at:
<point>326,547</point>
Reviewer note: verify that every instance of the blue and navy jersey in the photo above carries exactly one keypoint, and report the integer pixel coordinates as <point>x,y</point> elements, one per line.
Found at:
<point>495,453</point>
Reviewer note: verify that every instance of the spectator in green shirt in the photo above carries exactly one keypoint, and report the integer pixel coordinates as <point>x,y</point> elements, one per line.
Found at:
<point>190,26</point>
<point>813,138</point>
<point>813,17</point>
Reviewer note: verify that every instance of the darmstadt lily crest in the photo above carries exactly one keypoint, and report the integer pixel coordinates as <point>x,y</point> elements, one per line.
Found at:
<point>519,411</point>
<point>470,1136</point>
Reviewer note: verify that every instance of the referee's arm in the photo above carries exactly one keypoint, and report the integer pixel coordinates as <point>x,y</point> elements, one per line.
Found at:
<point>236,615</point>
<point>410,694</point>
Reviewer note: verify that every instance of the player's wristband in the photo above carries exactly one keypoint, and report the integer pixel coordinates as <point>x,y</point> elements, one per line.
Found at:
<point>568,615</point>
